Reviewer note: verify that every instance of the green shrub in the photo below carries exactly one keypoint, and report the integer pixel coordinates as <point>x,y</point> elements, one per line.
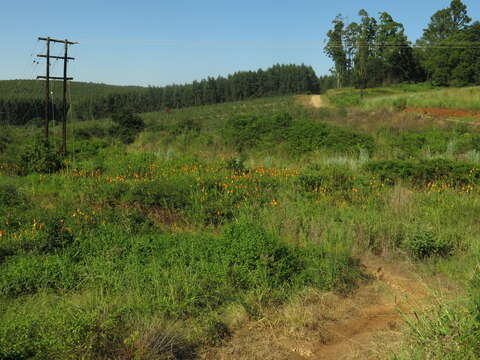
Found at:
<point>400,104</point>
<point>306,136</point>
<point>424,244</point>
<point>248,131</point>
<point>89,148</point>
<point>254,257</point>
<point>26,274</point>
<point>164,194</point>
<point>236,164</point>
<point>475,295</point>
<point>5,138</point>
<point>425,171</point>
<point>412,143</point>
<point>186,126</point>
<point>10,196</point>
<point>39,158</point>
<point>61,331</point>
<point>329,177</point>
<point>91,131</point>
<point>128,125</point>
<point>298,136</point>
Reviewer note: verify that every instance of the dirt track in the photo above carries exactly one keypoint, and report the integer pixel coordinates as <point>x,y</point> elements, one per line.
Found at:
<point>316,101</point>
<point>360,326</point>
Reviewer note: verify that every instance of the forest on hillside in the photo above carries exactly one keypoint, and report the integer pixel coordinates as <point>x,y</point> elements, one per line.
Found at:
<point>93,101</point>
<point>376,51</point>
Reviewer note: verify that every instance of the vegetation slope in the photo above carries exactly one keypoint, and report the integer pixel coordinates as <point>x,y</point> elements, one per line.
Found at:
<point>162,234</point>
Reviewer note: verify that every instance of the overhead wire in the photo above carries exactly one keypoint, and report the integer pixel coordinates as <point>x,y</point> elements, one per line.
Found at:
<point>265,42</point>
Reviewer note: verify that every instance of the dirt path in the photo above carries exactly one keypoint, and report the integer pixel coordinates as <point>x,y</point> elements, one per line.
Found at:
<point>316,101</point>
<point>373,316</point>
<point>327,327</point>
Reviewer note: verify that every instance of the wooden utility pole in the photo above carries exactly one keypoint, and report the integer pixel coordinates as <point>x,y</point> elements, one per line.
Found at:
<point>47,78</point>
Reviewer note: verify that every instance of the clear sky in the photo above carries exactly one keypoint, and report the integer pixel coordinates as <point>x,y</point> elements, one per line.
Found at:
<point>159,42</point>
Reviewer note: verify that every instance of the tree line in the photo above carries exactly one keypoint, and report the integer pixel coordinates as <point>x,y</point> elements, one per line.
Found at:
<point>277,80</point>
<point>376,51</point>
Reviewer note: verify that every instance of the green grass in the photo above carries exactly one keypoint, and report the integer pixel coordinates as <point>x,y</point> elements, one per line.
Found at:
<point>404,95</point>
<point>142,250</point>
<point>347,97</point>
<point>463,98</point>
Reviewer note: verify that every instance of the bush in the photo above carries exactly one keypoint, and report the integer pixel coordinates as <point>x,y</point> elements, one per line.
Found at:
<point>236,164</point>
<point>425,171</point>
<point>128,125</point>
<point>330,177</point>
<point>91,131</point>
<point>475,295</point>
<point>298,136</point>
<point>5,138</point>
<point>39,158</point>
<point>424,244</point>
<point>61,331</point>
<point>255,257</point>
<point>163,194</point>
<point>248,131</point>
<point>89,148</point>
<point>186,126</point>
<point>412,143</point>
<point>10,196</point>
<point>400,104</point>
<point>26,274</point>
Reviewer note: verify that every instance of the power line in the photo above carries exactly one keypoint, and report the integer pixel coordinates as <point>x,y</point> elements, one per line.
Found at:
<point>273,42</point>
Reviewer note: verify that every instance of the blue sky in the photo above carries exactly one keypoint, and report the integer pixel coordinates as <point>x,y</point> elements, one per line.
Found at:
<point>158,42</point>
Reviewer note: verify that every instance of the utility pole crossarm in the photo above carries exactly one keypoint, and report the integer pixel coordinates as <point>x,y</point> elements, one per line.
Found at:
<point>58,41</point>
<point>55,57</point>
<point>54,78</point>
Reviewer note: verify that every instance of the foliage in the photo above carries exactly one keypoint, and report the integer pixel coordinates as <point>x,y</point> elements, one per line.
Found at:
<point>139,251</point>
<point>335,178</point>
<point>372,52</point>
<point>425,171</point>
<point>454,61</point>
<point>10,196</point>
<point>94,101</point>
<point>163,194</point>
<point>299,136</point>
<point>424,244</point>
<point>38,157</point>
<point>128,125</point>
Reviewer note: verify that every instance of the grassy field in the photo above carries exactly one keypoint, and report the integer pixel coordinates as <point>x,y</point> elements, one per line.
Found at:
<point>213,216</point>
<point>404,96</point>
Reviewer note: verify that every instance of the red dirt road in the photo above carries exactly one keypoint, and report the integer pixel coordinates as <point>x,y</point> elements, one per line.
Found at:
<point>457,113</point>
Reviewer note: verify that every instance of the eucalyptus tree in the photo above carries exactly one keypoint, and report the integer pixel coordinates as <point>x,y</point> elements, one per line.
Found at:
<point>336,51</point>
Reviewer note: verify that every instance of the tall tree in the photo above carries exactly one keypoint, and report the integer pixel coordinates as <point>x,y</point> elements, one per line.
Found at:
<point>446,22</point>
<point>365,44</point>
<point>394,51</point>
<point>446,44</point>
<point>336,51</point>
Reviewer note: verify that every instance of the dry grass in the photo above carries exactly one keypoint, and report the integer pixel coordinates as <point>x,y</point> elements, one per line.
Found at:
<point>365,325</point>
<point>456,98</point>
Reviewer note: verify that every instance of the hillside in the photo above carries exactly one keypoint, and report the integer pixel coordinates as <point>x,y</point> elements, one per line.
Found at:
<point>21,101</point>
<point>260,229</point>
<point>21,89</point>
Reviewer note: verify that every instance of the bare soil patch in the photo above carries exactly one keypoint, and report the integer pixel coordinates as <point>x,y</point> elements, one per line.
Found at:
<point>448,113</point>
<point>314,101</point>
<point>363,325</point>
